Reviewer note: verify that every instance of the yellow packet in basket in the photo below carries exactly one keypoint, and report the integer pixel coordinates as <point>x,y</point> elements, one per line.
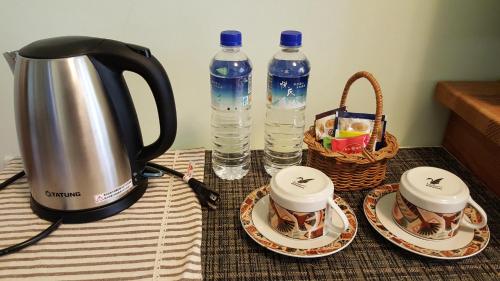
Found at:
<point>348,134</point>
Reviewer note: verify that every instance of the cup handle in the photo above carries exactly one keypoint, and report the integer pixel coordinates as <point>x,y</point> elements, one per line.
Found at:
<point>342,215</point>
<point>465,220</point>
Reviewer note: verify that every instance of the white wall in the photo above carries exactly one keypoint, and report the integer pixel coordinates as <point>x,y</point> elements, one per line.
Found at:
<point>408,45</point>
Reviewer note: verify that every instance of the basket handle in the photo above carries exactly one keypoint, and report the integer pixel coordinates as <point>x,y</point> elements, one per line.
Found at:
<point>378,97</point>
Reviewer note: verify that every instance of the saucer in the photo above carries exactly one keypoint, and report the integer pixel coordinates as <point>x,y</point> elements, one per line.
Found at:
<point>467,242</point>
<point>254,219</point>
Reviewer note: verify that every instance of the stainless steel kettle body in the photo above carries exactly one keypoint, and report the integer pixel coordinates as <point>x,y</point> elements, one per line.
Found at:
<point>69,140</point>
<point>77,128</point>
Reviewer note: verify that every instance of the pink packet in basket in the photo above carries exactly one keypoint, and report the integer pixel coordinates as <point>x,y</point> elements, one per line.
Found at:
<point>351,145</point>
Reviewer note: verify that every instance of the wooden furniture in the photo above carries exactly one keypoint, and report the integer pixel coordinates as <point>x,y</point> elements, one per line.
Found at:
<point>473,131</point>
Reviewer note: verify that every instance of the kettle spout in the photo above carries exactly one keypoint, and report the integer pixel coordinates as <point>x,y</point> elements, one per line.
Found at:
<point>10,57</point>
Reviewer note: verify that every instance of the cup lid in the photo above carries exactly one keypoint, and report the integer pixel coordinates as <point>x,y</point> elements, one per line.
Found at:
<point>301,189</point>
<point>434,189</point>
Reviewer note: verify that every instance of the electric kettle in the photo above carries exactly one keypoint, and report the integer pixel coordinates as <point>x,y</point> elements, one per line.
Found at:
<point>77,127</point>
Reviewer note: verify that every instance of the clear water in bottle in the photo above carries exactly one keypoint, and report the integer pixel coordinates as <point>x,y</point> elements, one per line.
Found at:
<point>231,88</point>
<point>287,81</point>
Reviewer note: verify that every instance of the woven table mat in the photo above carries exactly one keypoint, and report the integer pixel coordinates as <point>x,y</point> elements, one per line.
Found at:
<point>228,253</point>
<point>158,238</point>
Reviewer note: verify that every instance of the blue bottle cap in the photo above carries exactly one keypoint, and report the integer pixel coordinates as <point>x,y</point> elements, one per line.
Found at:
<point>230,38</point>
<point>291,38</point>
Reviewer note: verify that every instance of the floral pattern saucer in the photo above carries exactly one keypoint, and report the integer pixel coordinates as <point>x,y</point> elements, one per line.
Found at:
<point>378,206</point>
<point>254,217</point>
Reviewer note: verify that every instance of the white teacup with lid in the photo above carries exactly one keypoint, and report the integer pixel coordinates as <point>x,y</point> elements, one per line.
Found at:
<point>301,202</point>
<point>430,204</point>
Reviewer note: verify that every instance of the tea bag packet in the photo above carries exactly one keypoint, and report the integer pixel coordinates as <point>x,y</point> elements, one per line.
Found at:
<point>324,123</point>
<point>327,142</point>
<point>351,124</point>
<point>380,143</point>
<point>351,145</point>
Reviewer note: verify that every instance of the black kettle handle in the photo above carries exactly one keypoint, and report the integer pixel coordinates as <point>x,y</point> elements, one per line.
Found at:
<point>138,59</point>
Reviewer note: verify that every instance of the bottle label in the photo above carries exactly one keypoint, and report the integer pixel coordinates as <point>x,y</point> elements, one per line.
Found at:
<point>287,93</point>
<point>231,93</point>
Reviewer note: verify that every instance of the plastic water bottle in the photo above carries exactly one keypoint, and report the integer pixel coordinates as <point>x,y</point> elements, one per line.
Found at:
<point>231,89</point>
<point>287,79</point>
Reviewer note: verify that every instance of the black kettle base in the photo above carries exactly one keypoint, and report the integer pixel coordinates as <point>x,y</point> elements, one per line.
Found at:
<point>89,215</point>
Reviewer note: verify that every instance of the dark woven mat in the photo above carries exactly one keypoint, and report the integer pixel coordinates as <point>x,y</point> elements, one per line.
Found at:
<point>229,254</point>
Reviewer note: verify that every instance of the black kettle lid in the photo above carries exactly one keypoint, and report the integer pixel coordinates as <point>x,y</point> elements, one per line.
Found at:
<point>61,47</point>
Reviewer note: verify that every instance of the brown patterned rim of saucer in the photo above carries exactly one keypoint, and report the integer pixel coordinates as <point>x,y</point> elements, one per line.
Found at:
<point>341,242</point>
<point>476,245</point>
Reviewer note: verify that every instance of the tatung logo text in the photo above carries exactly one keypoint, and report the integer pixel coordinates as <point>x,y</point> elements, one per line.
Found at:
<point>62,194</point>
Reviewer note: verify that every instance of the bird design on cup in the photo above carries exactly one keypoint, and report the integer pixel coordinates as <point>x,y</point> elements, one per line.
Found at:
<point>298,225</point>
<point>434,183</point>
<point>280,219</point>
<point>305,221</point>
<point>423,223</point>
<point>426,228</point>
<point>301,182</point>
<point>451,221</point>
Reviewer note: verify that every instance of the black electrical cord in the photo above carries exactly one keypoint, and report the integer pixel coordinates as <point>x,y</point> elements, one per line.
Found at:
<point>206,196</point>
<point>165,169</point>
<point>34,239</point>
<point>12,179</point>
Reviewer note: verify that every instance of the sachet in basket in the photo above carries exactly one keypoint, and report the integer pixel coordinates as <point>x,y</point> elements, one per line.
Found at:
<point>354,171</point>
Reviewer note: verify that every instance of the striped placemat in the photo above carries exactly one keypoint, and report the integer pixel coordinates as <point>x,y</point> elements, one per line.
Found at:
<point>158,238</point>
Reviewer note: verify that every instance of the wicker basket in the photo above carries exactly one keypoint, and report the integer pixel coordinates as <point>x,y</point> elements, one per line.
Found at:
<point>354,171</point>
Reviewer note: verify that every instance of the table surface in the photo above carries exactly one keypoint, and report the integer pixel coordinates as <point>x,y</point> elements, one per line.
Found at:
<point>228,253</point>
